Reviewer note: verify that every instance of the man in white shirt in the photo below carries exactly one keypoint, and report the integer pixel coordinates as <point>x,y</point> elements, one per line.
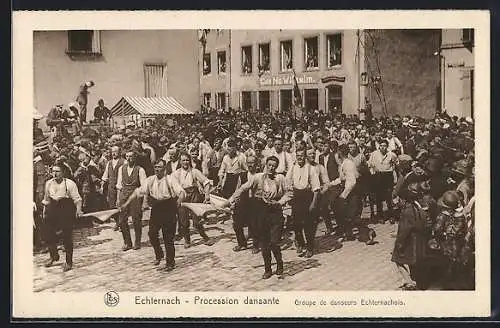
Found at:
<point>394,144</point>
<point>62,204</point>
<point>130,177</point>
<point>382,163</point>
<point>172,160</point>
<point>244,213</point>
<point>304,181</point>
<point>197,188</point>
<point>348,203</point>
<point>164,195</point>
<point>233,164</point>
<point>285,159</point>
<point>269,148</point>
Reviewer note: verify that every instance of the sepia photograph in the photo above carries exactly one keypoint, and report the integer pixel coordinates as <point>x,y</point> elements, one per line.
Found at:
<point>247,162</point>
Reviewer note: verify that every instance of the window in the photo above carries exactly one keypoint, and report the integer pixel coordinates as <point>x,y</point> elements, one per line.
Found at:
<point>246,59</point>
<point>207,65</point>
<point>207,97</point>
<point>286,55</point>
<point>264,58</point>
<point>468,38</point>
<point>334,98</point>
<point>311,99</point>
<point>84,42</point>
<point>155,76</point>
<point>334,50</point>
<point>246,100</point>
<point>468,35</point>
<point>311,52</point>
<point>221,100</point>
<point>285,100</point>
<point>221,62</point>
<point>264,100</point>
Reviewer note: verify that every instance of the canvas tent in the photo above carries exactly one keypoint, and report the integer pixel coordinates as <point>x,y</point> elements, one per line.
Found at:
<point>149,107</point>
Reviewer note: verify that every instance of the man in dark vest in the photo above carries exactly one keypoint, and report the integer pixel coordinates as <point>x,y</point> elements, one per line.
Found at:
<point>110,177</point>
<point>130,177</point>
<point>329,160</point>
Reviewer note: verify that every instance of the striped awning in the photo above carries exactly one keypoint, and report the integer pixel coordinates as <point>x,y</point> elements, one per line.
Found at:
<point>149,106</point>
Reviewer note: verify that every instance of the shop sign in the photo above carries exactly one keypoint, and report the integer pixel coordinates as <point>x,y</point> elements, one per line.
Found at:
<point>285,80</point>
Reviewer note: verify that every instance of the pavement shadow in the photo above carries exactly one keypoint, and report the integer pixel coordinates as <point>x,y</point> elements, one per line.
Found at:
<point>214,239</point>
<point>209,228</point>
<point>327,244</point>
<point>84,229</point>
<point>188,260</point>
<point>294,267</point>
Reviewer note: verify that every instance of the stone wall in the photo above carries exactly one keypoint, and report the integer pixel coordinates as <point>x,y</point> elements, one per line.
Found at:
<point>409,70</point>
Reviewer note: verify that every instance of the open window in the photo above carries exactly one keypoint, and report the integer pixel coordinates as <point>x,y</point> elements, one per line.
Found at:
<point>246,59</point>
<point>334,50</point>
<point>221,62</point>
<point>311,53</point>
<point>84,42</point>
<point>286,55</point>
<point>207,65</point>
<point>264,58</point>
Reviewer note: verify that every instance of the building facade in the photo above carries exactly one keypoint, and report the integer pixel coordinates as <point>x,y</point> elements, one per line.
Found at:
<point>260,66</point>
<point>150,63</point>
<point>457,71</point>
<point>395,71</point>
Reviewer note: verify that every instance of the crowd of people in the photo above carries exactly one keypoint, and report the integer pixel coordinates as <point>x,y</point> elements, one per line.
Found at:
<point>280,175</point>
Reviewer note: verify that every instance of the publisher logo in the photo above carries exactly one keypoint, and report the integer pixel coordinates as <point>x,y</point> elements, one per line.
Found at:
<point>111,298</point>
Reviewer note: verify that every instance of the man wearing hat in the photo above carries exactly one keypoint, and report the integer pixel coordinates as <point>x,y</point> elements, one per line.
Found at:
<point>449,231</point>
<point>40,177</point>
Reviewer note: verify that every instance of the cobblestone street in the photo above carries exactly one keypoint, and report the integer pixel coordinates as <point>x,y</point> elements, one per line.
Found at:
<point>101,265</point>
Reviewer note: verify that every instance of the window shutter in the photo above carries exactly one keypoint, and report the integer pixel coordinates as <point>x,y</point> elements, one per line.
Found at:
<point>96,42</point>
<point>155,80</point>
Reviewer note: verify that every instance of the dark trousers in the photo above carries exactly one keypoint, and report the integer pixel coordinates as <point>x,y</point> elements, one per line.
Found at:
<point>244,215</point>
<point>347,213</point>
<point>327,201</point>
<point>384,185</point>
<point>60,215</point>
<point>134,210</point>
<point>240,220</point>
<point>230,183</point>
<point>304,220</point>
<point>270,229</point>
<point>163,217</point>
<point>192,196</point>
<point>213,174</point>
